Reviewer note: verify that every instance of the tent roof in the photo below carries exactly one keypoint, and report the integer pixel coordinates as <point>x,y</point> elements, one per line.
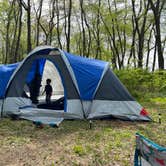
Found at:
<point>88,73</point>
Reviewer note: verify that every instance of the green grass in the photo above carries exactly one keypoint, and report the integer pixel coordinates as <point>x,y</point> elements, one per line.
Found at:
<point>73,143</point>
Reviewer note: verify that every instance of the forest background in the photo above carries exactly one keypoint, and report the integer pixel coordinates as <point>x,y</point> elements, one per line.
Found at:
<point>127,33</point>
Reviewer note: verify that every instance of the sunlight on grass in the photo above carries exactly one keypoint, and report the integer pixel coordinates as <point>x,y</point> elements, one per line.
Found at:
<point>161,100</point>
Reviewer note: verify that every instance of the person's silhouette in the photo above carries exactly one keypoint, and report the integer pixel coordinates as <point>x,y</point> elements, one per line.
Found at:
<point>48,90</point>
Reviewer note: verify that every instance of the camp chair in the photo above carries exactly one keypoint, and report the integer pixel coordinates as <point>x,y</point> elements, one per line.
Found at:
<point>148,153</point>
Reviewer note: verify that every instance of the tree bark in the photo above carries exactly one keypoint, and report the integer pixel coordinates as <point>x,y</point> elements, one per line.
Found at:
<point>157,7</point>
<point>7,38</point>
<point>51,22</point>
<point>83,29</point>
<point>19,32</point>
<point>29,45</point>
<point>69,25</point>
<point>38,16</point>
<point>27,7</point>
<point>140,28</point>
<point>98,49</point>
<point>58,25</point>
<point>149,49</point>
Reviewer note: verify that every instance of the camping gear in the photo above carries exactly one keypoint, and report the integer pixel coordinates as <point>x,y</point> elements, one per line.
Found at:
<point>148,153</point>
<point>90,88</point>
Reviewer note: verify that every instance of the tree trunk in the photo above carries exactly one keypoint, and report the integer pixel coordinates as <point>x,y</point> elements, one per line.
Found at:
<point>89,35</point>
<point>7,39</point>
<point>69,25</point>
<point>19,32</point>
<point>38,16</point>
<point>140,28</point>
<point>51,22</point>
<point>149,43</point>
<point>29,45</point>
<point>154,59</point>
<point>58,31</point>
<point>98,49</point>
<point>157,7</point>
<point>158,43</point>
<point>83,29</point>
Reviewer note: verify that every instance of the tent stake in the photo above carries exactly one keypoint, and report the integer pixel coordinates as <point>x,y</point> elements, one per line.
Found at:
<point>90,124</point>
<point>159,115</point>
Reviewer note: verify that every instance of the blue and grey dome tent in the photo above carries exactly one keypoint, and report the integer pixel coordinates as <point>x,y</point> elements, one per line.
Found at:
<point>91,89</point>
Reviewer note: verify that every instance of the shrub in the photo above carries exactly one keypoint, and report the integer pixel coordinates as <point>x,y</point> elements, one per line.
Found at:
<point>143,83</point>
<point>78,149</point>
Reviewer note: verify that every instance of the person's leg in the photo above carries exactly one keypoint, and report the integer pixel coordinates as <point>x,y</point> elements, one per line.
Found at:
<point>48,98</point>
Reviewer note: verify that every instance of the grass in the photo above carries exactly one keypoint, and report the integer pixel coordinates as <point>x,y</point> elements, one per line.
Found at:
<point>73,143</point>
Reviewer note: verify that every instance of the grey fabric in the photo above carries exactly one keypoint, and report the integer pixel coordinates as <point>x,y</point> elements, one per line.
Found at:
<point>12,104</point>
<point>32,113</point>
<point>129,110</point>
<point>74,106</point>
<point>24,69</point>
<point>112,89</point>
<point>87,107</point>
<point>144,162</point>
<point>19,106</point>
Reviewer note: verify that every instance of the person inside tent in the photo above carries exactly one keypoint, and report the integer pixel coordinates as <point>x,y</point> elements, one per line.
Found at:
<point>34,88</point>
<point>48,90</point>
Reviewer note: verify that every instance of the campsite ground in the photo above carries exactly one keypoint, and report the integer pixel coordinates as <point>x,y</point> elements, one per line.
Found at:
<point>110,142</point>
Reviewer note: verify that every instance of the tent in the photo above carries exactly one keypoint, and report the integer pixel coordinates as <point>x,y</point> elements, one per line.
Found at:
<point>89,88</point>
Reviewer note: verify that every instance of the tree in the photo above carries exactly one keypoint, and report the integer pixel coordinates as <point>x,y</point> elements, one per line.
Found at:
<point>157,7</point>
<point>67,14</point>
<point>58,24</point>
<point>27,7</point>
<point>140,27</point>
<point>38,17</point>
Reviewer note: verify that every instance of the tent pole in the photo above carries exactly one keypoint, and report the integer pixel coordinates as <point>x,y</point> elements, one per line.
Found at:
<point>2,109</point>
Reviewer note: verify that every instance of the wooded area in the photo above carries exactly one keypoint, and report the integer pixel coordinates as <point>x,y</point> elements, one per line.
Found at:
<point>127,33</point>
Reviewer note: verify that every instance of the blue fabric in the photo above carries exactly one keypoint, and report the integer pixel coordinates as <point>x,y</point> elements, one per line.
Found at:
<point>88,73</point>
<point>37,67</point>
<point>6,72</point>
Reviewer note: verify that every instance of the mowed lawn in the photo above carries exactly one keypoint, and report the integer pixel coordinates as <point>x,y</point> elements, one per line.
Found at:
<point>109,142</point>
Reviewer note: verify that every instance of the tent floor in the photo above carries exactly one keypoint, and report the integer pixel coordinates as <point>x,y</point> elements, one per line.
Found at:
<point>54,105</point>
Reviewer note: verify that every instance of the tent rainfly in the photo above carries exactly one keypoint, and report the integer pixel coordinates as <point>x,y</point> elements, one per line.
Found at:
<point>90,89</point>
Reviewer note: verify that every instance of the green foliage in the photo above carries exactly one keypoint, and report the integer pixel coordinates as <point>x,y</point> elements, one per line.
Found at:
<point>143,84</point>
<point>159,100</point>
<point>78,149</point>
